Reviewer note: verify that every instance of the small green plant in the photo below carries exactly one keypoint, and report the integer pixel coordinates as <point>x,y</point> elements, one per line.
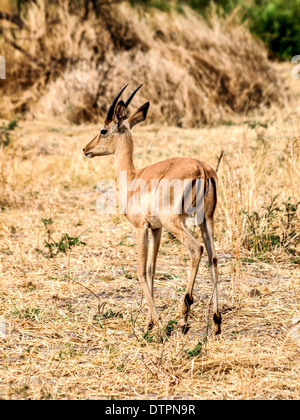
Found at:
<point>254,124</point>
<point>5,132</point>
<point>196,351</point>
<point>22,391</point>
<point>273,226</point>
<point>148,337</point>
<point>126,274</point>
<point>65,243</point>
<point>46,395</point>
<point>97,318</point>
<point>170,327</point>
<point>68,351</point>
<point>111,314</point>
<point>29,286</point>
<point>27,313</point>
<point>162,335</point>
<point>47,222</point>
<point>32,313</point>
<point>107,315</point>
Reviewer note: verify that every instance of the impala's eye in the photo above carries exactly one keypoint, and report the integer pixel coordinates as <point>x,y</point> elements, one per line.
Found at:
<point>103,132</point>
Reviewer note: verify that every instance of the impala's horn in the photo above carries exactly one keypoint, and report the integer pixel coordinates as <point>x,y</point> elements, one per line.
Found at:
<point>110,112</point>
<point>132,95</point>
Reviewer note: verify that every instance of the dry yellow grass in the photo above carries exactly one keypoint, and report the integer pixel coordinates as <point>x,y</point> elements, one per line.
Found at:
<point>58,346</point>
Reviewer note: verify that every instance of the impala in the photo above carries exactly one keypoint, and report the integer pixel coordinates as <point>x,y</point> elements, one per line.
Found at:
<point>115,137</point>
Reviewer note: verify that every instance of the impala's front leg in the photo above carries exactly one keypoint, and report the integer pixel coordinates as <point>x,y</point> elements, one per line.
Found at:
<point>142,242</point>
<point>151,265</point>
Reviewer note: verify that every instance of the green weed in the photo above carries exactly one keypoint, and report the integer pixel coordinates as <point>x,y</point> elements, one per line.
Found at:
<point>65,243</point>
<point>5,131</point>
<point>111,314</point>
<point>273,226</point>
<point>196,351</point>
<point>148,337</point>
<point>170,327</point>
<point>27,313</point>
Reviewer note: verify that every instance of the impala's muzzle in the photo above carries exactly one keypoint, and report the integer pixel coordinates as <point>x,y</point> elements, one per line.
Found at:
<point>87,153</point>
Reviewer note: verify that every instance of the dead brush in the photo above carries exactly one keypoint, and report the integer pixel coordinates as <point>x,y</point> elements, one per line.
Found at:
<point>191,77</point>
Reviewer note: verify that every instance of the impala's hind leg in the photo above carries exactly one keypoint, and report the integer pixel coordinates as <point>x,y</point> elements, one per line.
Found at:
<point>207,230</point>
<point>178,229</point>
<point>151,265</point>
<point>195,251</point>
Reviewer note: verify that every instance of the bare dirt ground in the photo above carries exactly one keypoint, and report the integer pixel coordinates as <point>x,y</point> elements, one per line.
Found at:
<point>72,321</point>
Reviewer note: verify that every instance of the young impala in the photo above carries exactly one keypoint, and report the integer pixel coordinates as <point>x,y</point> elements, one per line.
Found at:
<point>115,137</point>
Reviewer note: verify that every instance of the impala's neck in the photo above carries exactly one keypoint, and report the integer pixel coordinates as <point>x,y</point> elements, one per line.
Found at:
<point>123,156</point>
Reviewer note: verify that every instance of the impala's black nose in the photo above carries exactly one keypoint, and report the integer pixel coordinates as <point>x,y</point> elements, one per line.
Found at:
<point>83,150</point>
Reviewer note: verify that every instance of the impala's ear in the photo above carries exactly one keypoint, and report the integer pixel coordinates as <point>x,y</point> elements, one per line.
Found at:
<point>139,115</point>
<point>120,113</point>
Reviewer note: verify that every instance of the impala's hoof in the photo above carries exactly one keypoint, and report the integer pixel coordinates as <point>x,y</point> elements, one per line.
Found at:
<point>185,328</point>
<point>187,303</point>
<point>217,323</point>
<point>152,322</point>
<point>149,325</point>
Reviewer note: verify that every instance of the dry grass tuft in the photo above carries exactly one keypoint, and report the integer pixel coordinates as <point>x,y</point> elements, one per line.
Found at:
<point>73,67</point>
